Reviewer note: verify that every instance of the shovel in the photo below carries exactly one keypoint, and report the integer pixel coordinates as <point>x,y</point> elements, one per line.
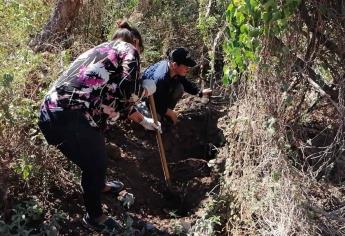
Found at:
<point>160,144</point>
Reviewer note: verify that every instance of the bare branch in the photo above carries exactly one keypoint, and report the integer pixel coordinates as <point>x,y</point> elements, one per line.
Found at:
<point>327,42</point>
<point>300,66</point>
<point>322,92</point>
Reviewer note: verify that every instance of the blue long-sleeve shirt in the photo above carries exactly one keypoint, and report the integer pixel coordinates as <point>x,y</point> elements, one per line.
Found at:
<point>159,72</point>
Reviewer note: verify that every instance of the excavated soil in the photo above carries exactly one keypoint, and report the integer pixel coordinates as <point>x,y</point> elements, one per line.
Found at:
<point>134,159</point>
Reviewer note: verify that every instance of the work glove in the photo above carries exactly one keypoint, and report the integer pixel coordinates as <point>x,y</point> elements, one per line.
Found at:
<point>206,93</point>
<point>149,124</point>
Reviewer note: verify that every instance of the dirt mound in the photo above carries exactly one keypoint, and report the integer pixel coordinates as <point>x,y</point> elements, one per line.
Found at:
<point>134,158</point>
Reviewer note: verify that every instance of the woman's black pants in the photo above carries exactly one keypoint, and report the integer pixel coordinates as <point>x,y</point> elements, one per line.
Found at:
<point>84,145</point>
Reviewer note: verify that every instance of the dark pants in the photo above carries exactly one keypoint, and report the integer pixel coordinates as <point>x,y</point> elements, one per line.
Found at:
<point>84,145</point>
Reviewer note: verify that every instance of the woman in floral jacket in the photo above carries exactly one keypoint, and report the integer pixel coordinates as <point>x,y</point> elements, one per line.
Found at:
<point>98,86</point>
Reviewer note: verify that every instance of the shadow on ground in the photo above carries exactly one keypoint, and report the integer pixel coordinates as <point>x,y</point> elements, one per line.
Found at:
<point>134,159</point>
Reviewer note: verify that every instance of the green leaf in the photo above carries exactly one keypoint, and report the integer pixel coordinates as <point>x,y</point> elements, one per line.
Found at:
<point>250,55</point>
<point>244,39</point>
<point>244,28</point>
<point>254,3</point>
<point>229,76</point>
<point>226,75</point>
<point>7,80</point>
<point>250,7</point>
<point>266,16</point>
<point>276,176</point>
<point>254,31</point>
<point>269,4</point>
<point>276,16</point>
<point>230,7</point>
<point>239,17</point>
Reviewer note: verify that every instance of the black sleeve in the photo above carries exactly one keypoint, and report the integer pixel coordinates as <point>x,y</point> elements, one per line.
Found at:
<point>189,86</point>
<point>161,102</point>
<point>129,85</point>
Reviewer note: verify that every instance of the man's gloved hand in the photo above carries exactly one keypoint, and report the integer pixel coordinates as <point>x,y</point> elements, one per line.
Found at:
<point>149,124</point>
<point>206,92</point>
<point>172,115</point>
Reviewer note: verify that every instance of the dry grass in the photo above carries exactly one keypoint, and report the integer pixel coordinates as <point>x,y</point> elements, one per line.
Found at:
<point>267,197</point>
<point>273,194</point>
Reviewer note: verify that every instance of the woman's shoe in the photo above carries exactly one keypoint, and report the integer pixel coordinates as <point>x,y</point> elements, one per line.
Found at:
<point>114,187</point>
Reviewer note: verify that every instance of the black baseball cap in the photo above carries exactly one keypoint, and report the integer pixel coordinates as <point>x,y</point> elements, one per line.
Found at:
<point>181,56</point>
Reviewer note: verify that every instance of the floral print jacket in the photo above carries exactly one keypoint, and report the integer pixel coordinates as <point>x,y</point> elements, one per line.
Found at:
<point>102,83</point>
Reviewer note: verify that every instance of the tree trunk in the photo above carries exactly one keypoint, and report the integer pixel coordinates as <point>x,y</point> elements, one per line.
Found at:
<point>57,28</point>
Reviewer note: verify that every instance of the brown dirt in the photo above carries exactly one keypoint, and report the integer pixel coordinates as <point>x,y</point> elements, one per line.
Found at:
<point>134,159</point>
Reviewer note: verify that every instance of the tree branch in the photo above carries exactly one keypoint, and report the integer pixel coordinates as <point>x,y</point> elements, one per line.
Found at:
<point>327,42</point>
<point>312,77</point>
<point>300,66</point>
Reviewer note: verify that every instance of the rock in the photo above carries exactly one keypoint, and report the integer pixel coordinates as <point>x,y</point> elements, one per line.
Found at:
<point>150,227</point>
<point>126,198</point>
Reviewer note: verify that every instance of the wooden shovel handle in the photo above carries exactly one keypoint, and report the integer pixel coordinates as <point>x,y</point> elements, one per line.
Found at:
<point>160,143</point>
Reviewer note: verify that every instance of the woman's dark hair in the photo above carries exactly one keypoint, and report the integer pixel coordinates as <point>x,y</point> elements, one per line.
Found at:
<point>128,34</point>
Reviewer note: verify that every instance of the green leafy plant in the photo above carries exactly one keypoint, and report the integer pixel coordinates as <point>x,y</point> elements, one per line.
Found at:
<point>25,221</point>
<point>23,168</point>
<point>249,23</point>
<point>205,226</point>
<point>22,217</point>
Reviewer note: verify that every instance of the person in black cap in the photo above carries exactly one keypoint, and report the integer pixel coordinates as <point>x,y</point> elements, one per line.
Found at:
<point>171,82</point>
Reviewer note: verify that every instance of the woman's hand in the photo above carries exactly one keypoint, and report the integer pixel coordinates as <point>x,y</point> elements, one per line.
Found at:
<point>146,122</point>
